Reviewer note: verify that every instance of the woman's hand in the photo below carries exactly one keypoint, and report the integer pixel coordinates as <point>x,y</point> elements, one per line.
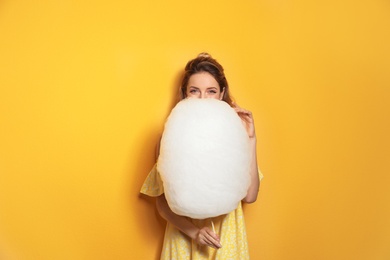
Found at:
<point>247,119</point>
<point>203,236</point>
<point>207,237</point>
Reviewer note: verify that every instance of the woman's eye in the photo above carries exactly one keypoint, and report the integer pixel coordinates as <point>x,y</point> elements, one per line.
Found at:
<point>213,92</point>
<point>192,91</point>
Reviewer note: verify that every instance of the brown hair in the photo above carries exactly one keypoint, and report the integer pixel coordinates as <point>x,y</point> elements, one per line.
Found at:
<point>205,63</point>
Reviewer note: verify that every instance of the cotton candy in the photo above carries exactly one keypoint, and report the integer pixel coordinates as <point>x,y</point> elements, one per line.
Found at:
<point>204,158</point>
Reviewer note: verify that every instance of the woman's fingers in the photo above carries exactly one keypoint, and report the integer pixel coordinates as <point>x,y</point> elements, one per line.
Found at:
<point>213,240</point>
<point>244,114</point>
<point>209,238</point>
<point>247,119</point>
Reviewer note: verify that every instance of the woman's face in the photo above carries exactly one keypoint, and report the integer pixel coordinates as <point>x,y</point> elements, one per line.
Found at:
<point>203,85</point>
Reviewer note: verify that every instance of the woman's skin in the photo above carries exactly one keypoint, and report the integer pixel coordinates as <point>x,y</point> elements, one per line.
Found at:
<point>203,85</point>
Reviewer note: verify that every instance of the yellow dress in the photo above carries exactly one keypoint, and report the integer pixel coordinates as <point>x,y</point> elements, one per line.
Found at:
<point>229,227</point>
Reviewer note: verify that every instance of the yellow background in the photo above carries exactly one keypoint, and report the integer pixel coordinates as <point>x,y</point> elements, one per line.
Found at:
<point>85,87</point>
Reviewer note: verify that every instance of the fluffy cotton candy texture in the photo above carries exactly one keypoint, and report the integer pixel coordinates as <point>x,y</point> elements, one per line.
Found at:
<point>204,158</point>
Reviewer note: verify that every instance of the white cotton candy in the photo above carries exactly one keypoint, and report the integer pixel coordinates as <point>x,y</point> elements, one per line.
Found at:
<point>204,158</point>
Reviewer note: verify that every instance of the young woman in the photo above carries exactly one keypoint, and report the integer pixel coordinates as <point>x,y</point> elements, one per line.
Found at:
<point>187,238</point>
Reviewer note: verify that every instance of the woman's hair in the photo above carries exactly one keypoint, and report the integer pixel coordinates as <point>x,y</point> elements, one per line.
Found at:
<point>205,63</point>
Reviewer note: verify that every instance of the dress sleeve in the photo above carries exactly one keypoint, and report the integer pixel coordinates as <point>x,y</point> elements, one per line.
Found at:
<point>153,185</point>
<point>261,176</point>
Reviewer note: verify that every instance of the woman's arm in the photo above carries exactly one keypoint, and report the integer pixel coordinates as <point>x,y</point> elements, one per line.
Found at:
<point>253,190</point>
<point>247,119</point>
<point>203,236</point>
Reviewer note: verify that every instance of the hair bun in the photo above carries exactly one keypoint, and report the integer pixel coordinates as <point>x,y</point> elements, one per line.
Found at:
<point>204,55</point>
